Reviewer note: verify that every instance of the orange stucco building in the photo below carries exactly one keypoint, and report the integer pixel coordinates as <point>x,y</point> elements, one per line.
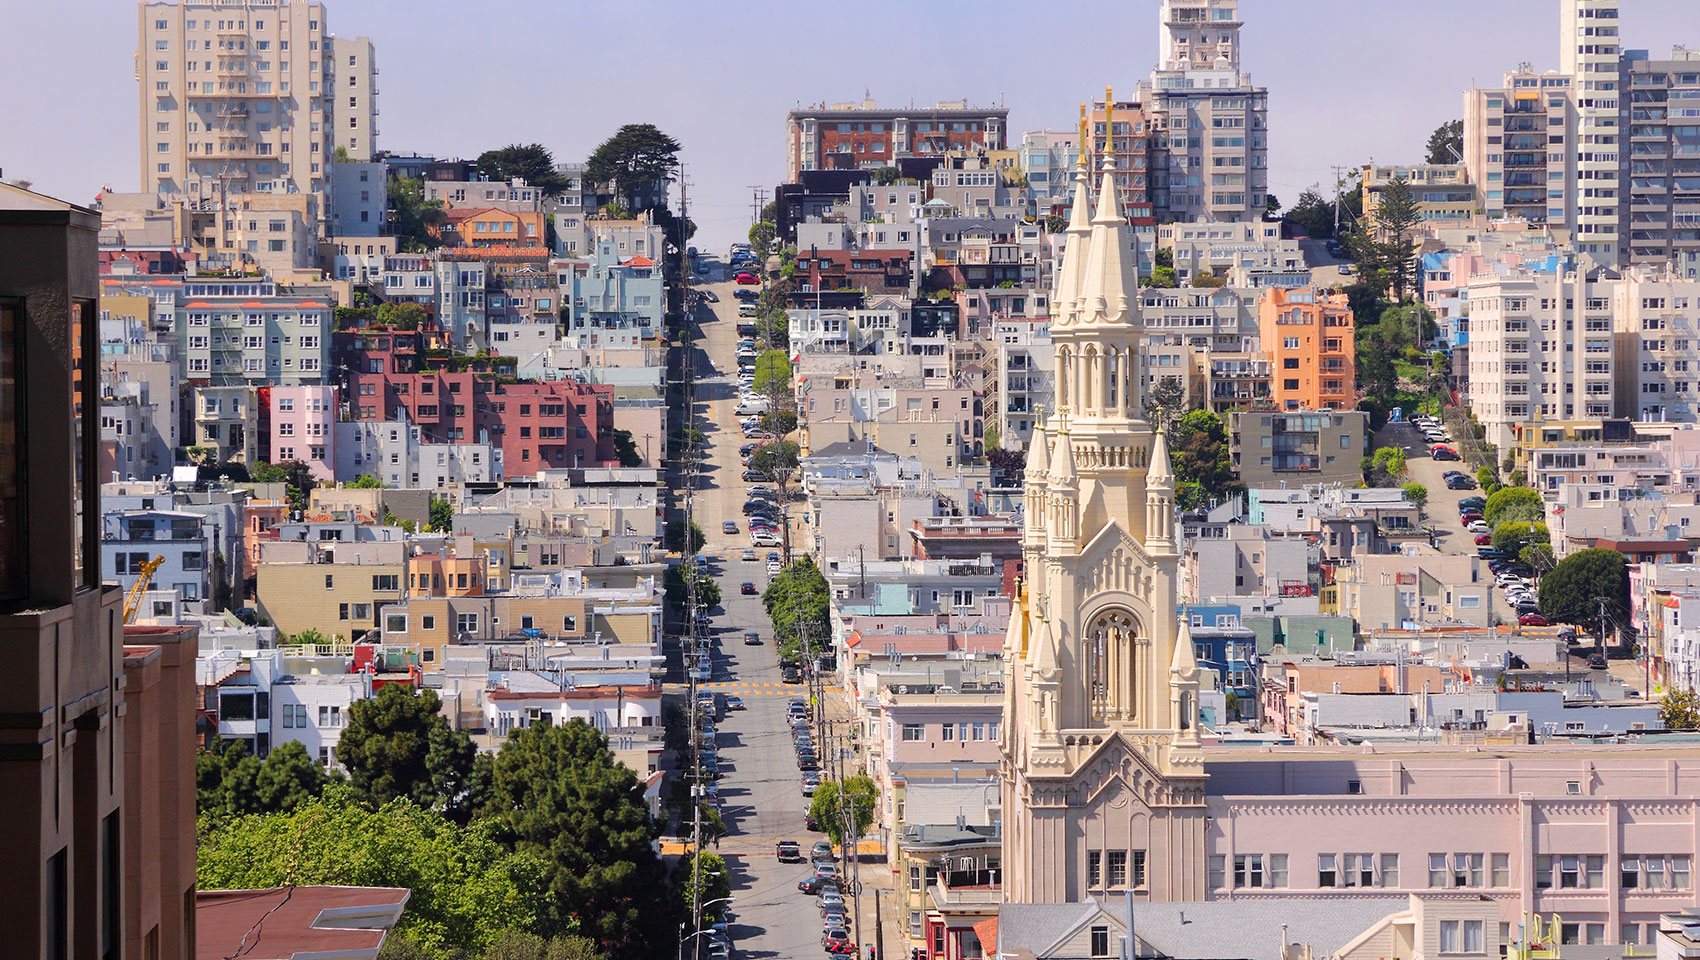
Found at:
<point>1308,335</point>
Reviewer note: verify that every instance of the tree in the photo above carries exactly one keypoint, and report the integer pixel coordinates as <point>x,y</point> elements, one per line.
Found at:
<point>1514,535</point>
<point>886,176</point>
<point>1312,214</point>
<point>798,602</point>
<point>442,514</point>
<point>1165,402</point>
<point>1198,451</point>
<point>674,537</point>
<point>466,889</point>
<point>780,422</point>
<point>1054,223</point>
<point>1162,277</point>
<point>1586,586</point>
<point>1416,493</point>
<point>674,584</point>
<point>1205,280</point>
<point>531,162</point>
<point>1378,378</point>
<point>1446,143</point>
<point>1164,257</point>
<point>1396,215</point>
<point>857,796</point>
<point>761,239</point>
<point>1009,467</point>
<point>1680,710</point>
<point>637,159</point>
<point>625,449</point>
<point>1513,503</point>
<point>1271,205</point>
<point>398,745</point>
<point>365,482</point>
<point>267,473</point>
<point>1487,479</point>
<point>1384,467</point>
<point>1539,558</point>
<point>707,873</point>
<point>402,316</point>
<point>339,155</point>
<point>521,945</point>
<point>413,219</point>
<point>773,375</point>
<point>557,795</point>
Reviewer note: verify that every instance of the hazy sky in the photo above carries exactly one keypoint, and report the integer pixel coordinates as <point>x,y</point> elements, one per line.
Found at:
<point>1349,80</point>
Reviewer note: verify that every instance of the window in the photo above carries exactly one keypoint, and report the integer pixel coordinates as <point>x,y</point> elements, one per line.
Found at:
<point>949,731</point>
<point>1451,936</point>
<point>1500,870</point>
<point>1218,871</point>
<point>1094,869</point>
<point>1118,868</point>
<point>1326,870</point>
<point>466,623</point>
<point>1248,870</point>
<point>1100,941</point>
<point>913,732</point>
<point>427,622</point>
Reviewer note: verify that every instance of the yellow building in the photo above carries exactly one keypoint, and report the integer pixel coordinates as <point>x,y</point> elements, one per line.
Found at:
<point>338,599</point>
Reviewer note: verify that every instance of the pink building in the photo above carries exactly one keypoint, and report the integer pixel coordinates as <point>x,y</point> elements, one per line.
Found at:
<point>303,424</point>
<point>1604,836</point>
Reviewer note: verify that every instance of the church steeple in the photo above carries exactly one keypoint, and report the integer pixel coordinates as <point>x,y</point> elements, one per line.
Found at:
<point>1065,299</point>
<point>1064,492</point>
<point>1160,500</point>
<point>1037,475</point>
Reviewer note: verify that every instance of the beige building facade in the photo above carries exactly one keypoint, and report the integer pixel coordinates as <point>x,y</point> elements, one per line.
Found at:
<point>1103,775</point>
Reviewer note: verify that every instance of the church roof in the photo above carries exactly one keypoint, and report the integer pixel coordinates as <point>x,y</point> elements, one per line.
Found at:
<point>1039,457</point>
<point>1184,662</point>
<point>1062,459</point>
<point>1161,468</point>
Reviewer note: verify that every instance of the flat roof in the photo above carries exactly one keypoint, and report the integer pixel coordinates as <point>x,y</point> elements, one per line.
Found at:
<point>283,923</point>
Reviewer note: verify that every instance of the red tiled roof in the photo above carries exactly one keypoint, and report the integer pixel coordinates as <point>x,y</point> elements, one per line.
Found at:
<point>987,931</point>
<point>639,262</point>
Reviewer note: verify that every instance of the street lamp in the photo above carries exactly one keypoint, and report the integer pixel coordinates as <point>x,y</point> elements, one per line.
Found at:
<point>689,937</point>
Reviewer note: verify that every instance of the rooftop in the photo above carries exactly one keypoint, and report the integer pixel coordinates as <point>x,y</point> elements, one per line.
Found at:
<point>288,922</point>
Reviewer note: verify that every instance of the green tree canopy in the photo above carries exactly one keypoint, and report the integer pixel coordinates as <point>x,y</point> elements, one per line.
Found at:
<point>798,598</point>
<point>781,422</point>
<point>1198,451</point>
<point>1416,493</point>
<point>707,871</point>
<point>231,782</point>
<point>625,449</point>
<point>1680,710</point>
<point>1513,503</point>
<point>1312,213</point>
<point>1446,143</point>
<point>674,584</point>
<point>1539,557</point>
<point>635,160</point>
<point>777,459</point>
<point>557,795</point>
<point>414,219</point>
<point>442,514</point>
<point>761,239</point>
<point>365,482</point>
<point>1585,584</point>
<point>858,796</point>
<point>773,375</point>
<point>1165,402</point>
<point>1162,277</point>
<point>674,537</point>
<point>1512,536</point>
<point>531,162</point>
<point>466,889</point>
<point>398,745</point>
<point>1385,467</point>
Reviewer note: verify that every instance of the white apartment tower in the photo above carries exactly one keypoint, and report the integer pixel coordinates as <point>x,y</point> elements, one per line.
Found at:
<point>1588,42</point>
<point>241,96</point>
<point>1209,138</point>
<point>355,70</point>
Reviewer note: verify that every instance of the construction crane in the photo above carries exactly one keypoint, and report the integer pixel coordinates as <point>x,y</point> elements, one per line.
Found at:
<point>133,599</point>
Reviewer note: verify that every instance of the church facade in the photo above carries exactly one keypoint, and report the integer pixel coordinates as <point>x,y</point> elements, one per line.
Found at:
<point>1103,773</point>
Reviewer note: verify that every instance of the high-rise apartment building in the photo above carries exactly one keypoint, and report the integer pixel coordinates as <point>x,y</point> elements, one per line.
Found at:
<point>1661,127</point>
<point>249,96</point>
<point>855,136</point>
<point>1209,137</point>
<point>1128,149</point>
<point>1517,146</point>
<point>354,95</point>
<point>233,96</point>
<point>1588,51</point>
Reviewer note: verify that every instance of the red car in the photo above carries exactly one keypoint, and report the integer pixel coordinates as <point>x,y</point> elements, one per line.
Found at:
<point>746,279</point>
<point>1532,620</point>
<point>1483,539</point>
<point>1469,517</point>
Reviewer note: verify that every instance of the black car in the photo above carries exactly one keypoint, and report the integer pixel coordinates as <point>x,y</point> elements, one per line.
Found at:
<point>755,476</point>
<point>752,639</point>
<point>746,295</point>
<point>1472,503</point>
<point>814,885</point>
<point>808,763</point>
<point>747,588</point>
<point>1460,483</point>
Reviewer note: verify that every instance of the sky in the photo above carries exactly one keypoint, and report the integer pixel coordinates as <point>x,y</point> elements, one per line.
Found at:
<point>1349,80</point>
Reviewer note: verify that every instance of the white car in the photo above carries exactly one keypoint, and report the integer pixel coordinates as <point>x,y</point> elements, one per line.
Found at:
<point>1477,526</point>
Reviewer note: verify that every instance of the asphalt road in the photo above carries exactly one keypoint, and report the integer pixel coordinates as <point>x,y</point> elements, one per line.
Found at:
<point>760,786</point>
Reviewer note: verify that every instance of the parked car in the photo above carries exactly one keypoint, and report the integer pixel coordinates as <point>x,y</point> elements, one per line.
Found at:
<point>1482,538</point>
<point>1475,503</point>
<point>755,476</point>
<point>822,850</point>
<point>746,295</point>
<point>1444,453</point>
<point>814,885</point>
<point>748,555</point>
<point>1469,516</point>
<point>1460,483</point>
<point>788,851</point>
<point>1476,526</point>
<point>1596,661</point>
<point>746,279</point>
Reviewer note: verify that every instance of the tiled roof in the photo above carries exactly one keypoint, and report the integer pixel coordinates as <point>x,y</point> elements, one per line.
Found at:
<point>639,262</point>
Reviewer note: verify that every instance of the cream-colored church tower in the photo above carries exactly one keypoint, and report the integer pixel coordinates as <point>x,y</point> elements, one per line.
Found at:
<point>1103,786</point>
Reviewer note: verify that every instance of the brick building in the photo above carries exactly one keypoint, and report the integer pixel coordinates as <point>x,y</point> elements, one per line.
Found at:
<point>875,271</point>
<point>537,425</point>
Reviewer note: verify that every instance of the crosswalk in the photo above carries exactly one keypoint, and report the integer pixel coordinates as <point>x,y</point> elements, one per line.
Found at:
<point>755,689</point>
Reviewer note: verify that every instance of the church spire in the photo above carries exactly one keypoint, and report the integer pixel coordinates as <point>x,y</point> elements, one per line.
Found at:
<point>1036,476</point>
<point>1064,491</point>
<point>1160,499</point>
<point>1108,289</point>
<point>1065,298</point>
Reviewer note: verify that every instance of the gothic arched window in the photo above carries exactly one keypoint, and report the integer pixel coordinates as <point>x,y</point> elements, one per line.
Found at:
<point>1110,648</point>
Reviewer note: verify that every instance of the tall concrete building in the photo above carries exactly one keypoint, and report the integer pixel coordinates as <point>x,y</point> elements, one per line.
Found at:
<point>355,97</point>
<point>1516,146</point>
<point>248,96</point>
<point>1661,117</point>
<point>1588,51</point>
<point>1209,136</point>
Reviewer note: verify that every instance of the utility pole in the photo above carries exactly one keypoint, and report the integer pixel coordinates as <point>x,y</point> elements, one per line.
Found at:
<point>758,200</point>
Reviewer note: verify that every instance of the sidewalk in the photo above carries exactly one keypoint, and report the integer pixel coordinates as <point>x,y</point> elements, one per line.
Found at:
<point>876,907</point>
